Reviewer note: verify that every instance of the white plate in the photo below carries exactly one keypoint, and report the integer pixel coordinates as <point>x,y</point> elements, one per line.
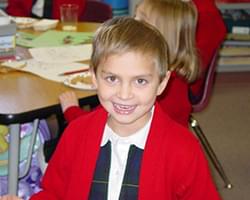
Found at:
<point>79,85</point>
<point>45,24</point>
<point>24,22</point>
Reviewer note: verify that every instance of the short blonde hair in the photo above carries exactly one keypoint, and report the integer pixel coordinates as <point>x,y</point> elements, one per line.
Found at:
<point>125,34</point>
<point>176,20</point>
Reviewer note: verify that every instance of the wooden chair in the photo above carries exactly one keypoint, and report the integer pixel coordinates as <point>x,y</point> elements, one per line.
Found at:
<point>198,107</point>
<point>96,11</point>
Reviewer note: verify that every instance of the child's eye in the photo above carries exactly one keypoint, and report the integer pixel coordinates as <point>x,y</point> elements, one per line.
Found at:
<point>111,79</point>
<point>141,81</point>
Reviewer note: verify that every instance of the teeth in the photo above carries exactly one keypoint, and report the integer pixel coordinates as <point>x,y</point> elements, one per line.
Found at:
<point>123,109</point>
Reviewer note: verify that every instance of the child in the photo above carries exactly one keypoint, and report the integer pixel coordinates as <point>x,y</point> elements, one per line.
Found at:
<point>176,20</point>
<point>128,148</point>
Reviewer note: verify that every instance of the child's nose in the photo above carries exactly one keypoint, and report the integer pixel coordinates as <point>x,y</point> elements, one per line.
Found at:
<point>125,91</point>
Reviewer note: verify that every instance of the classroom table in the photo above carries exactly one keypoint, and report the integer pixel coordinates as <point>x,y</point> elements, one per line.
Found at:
<point>25,97</point>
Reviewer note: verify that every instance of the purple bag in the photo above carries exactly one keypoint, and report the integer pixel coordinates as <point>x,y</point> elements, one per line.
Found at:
<point>30,172</point>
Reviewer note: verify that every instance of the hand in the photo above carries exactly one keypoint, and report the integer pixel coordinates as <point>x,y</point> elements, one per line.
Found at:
<point>67,99</point>
<point>9,197</point>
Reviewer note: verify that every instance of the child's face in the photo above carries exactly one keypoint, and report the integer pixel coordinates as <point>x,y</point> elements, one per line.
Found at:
<point>127,86</point>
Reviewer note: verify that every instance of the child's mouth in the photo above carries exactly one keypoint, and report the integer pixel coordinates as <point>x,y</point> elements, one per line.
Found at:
<point>123,109</point>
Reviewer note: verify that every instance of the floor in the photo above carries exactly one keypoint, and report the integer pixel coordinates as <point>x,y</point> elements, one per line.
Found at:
<point>226,123</point>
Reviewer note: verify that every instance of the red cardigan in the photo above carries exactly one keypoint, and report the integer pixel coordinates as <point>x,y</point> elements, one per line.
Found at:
<point>173,164</point>
<point>23,8</point>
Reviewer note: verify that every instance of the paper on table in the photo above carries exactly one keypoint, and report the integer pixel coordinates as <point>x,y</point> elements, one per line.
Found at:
<point>62,54</point>
<point>46,70</point>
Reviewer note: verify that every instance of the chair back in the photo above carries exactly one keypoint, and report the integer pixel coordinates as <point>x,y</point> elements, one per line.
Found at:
<point>96,11</point>
<point>208,85</point>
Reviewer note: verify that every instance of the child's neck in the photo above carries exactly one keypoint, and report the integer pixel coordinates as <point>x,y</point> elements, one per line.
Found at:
<point>125,130</point>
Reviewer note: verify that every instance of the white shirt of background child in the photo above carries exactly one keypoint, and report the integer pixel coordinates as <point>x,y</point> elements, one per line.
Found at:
<point>37,8</point>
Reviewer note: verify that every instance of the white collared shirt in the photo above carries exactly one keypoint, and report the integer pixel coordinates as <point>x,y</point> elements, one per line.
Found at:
<point>119,154</point>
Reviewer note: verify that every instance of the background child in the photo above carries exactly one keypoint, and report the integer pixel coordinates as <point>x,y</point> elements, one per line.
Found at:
<point>40,8</point>
<point>128,148</point>
<point>176,20</point>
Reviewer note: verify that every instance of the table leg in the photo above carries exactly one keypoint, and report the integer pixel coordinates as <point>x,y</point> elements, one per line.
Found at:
<point>13,158</point>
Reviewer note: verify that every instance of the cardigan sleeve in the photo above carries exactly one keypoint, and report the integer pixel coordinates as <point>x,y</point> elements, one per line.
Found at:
<point>196,181</point>
<point>70,170</point>
<point>55,182</point>
<point>73,112</point>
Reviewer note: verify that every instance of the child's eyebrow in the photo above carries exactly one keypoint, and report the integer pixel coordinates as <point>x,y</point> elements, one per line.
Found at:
<point>148,75</point>
<point>143,75</point>
<point>105,72</point>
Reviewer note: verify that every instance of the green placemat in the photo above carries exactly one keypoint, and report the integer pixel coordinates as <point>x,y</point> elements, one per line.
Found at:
<point>54,38</point>
<point>25,39</point>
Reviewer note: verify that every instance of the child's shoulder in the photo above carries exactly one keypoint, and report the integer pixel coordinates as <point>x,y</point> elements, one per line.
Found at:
<point>95,118</point>
<point>99,111</point>
<point>88,125</point>
<point>174,133</point>
<point>177,144</point>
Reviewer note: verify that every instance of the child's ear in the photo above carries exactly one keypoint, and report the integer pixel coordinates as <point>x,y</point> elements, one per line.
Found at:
<point>163,83</point>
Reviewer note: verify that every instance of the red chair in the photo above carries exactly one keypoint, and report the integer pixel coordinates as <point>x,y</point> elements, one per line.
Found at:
<point>96,11</point>
<point>198,107</point>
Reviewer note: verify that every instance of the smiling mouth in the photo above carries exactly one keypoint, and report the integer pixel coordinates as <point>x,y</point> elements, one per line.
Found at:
<point>123,109</point>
